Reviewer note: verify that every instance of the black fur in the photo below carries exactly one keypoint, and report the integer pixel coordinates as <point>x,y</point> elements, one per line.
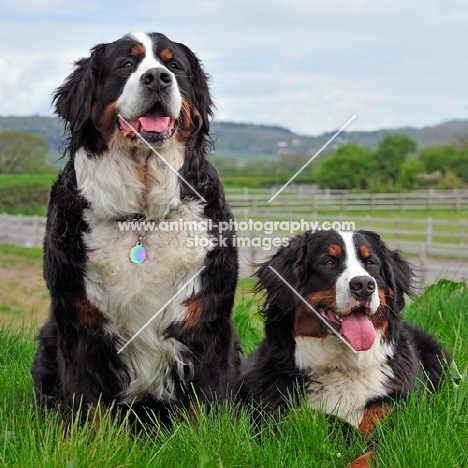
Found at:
<point>270,377</point>
<point>78,364</point>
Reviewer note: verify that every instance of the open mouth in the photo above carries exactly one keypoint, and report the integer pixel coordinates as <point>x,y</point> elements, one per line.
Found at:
<point>155,125</point>
<point>356,326</point>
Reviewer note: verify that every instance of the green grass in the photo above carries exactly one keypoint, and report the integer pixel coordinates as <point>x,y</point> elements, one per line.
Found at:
<point>25,194</point>
<point>25,179</point>
<point>428,432</point>
<point>11,255</point>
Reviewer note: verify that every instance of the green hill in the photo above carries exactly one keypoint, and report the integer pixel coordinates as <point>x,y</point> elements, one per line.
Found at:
<point>249,142</point>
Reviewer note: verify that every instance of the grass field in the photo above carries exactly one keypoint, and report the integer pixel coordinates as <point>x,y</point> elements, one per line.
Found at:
<point>25,194</point>
<point>26,179</point>
<point>428,432</point>
<point>24,298</point>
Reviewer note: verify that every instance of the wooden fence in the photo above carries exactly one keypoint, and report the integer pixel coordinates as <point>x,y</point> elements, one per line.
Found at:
<point>304,199</point>
<point>25,231</point>
<point>424,237</point>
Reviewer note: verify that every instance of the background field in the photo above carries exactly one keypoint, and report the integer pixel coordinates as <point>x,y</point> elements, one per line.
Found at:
<point>429,432</point>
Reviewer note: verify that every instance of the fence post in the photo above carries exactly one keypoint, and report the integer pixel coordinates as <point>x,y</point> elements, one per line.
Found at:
<point>19,230</point>
<point>456,194</point>
<point>463,224</point>
<point>253,255</point>
<point>422,265</point>
<point>368,222</point>
<point>246,194</point>
<point>429,198</point>
<point>5,228</point>
<point>36,240</point>
<point>340,218</point>
<point>428,231</point>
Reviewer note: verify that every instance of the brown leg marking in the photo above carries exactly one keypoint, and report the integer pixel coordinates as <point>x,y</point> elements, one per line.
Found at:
<point>96,414</point>
<point>372,417</point>
<point>193,412</point>
<point>362,462</point>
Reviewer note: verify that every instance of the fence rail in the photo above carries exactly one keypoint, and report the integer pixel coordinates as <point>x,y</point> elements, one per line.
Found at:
<point>303,199</point>
<point>428,236</point>
<point>25,231</point>
<point>431,237</point>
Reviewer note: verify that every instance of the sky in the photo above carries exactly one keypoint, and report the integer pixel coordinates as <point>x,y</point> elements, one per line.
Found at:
<point>305,65</point>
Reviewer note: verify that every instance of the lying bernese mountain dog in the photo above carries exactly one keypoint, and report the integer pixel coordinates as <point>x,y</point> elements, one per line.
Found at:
<point>138,317</point>
<point>334,333</point>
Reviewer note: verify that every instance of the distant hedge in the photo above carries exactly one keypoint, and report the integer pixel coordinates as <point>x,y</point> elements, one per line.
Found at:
<point>24,194</point>
<point>241,180</point>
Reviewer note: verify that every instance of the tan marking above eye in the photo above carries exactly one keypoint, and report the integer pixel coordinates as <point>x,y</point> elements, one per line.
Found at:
<point>166,54</point>
<point>365,251</point>
<point>137,50</point>
<point>335,250</point>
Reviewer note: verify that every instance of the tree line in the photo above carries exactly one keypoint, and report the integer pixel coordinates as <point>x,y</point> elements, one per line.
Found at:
<point>396,165</point>
<point>23,153</point>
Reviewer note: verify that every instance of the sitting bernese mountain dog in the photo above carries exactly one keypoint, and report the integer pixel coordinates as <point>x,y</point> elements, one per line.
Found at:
<point>138,317</point>
<point>334,333</point>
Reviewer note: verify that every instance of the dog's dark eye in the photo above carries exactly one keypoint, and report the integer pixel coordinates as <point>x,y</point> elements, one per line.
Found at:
<point>127,64</point>
<point>370,262</point>
<point>174,66</point>
<point>329,263</point>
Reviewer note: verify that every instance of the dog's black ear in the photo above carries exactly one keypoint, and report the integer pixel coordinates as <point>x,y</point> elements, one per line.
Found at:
<point>74,98</point>
<point>403,276</point>
<point>285,270</point>
<point>201,93</point>
<point>396,271</point>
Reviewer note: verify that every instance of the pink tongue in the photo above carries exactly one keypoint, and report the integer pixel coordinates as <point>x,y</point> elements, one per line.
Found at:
<point>146,124</point>
<point>154,124</point>
<point>359,331</point>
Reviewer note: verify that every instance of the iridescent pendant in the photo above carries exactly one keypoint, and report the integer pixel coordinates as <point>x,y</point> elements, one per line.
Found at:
<point>138,253</point>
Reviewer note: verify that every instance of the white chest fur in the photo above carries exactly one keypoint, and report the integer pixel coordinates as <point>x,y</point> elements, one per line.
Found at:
<point>341,382</point>
<point>118,184</point>
<point>130,294</point>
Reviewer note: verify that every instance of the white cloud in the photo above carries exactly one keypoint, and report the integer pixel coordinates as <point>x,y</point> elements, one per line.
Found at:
<point>306,65</point>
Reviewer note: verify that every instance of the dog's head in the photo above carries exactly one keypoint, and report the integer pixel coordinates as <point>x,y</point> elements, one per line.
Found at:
<point>352,279</point>
<point>141,83</point>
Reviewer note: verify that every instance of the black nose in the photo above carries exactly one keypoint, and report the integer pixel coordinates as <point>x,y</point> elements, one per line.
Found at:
<point>362,286</point>
<point>156,79</point>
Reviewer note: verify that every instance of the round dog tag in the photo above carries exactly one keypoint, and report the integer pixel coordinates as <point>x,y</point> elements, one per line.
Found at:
<point>138,253</point>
